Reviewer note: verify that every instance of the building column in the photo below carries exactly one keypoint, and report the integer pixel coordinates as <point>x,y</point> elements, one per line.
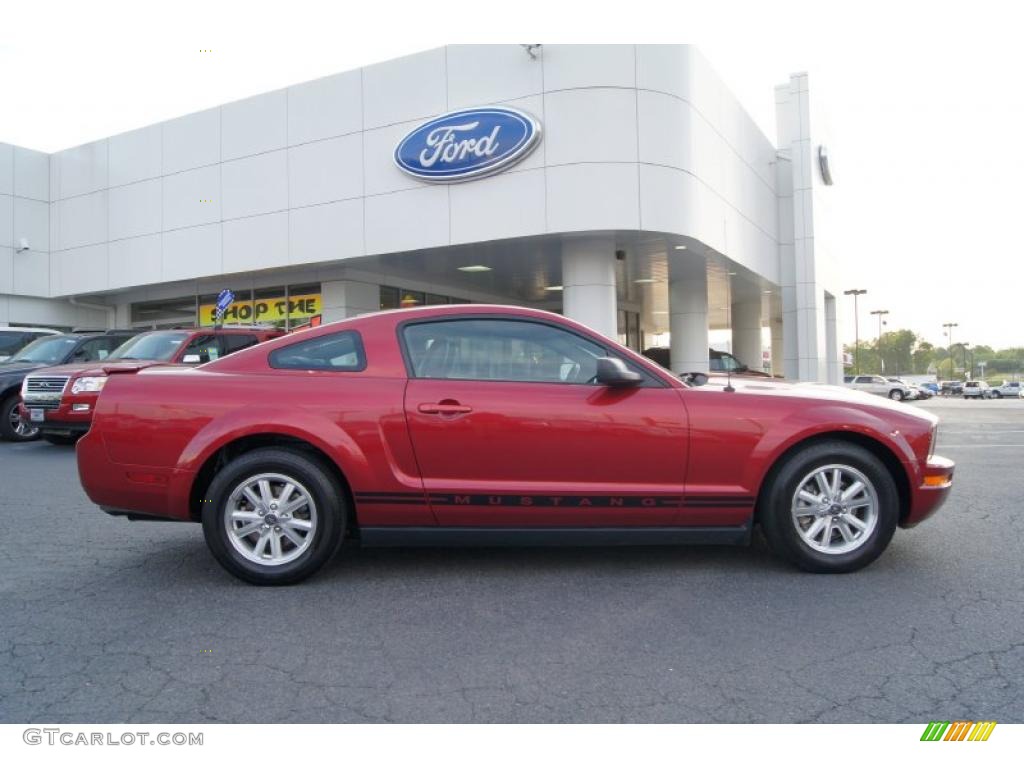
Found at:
<point>688,314</point>
<point>342,299</point>
<point>833,355</point>
<point>745,317</point>
<point>588,283</point>
<point>778,348</point>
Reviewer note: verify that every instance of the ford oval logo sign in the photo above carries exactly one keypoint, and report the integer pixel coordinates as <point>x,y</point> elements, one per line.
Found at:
<point>467,144</point>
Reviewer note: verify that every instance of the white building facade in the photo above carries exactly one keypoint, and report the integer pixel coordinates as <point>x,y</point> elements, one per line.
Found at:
<point>651,207</point>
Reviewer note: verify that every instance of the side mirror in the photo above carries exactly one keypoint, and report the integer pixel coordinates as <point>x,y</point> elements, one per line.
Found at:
<point>695,378</point>
<point>191,359</point>
<point>612,372</point>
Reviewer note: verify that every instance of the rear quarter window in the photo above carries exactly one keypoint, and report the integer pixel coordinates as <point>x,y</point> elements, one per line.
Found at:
<point>334,352</point>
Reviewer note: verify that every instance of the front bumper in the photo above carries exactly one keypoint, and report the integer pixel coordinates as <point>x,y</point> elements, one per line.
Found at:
<point>65,418</point>
<point>932,489</point>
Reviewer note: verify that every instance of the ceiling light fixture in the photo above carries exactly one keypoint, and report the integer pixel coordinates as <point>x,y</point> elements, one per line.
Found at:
<point>644,280</point>
<point>475,268</point>
<point>680,247</point>
<point>553,288</point>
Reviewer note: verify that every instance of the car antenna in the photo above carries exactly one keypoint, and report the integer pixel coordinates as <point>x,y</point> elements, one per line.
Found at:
<point>728,381</point>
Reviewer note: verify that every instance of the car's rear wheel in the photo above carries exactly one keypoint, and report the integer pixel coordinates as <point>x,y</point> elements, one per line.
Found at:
<point>830,508</point>
<point>997,395</point>
<point>11,426</point>
<point>273,516</point>
<point>896,394</point>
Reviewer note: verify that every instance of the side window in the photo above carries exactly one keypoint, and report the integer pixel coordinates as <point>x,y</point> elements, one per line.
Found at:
<point>97,349</point>
<point>863,380</point>
<point>500,350</point>
<point>205,346</point>
<point>334,352</point>
<point>233,342</point>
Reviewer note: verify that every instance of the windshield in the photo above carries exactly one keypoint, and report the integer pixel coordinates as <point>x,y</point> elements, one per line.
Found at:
<point>50,350</point>
<point>160,345</point>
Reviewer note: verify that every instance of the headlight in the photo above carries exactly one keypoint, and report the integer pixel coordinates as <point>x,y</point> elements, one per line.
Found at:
<point>88,384</point>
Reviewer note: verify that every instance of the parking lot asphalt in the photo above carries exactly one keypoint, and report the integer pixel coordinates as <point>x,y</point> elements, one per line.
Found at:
<point>107,620</point>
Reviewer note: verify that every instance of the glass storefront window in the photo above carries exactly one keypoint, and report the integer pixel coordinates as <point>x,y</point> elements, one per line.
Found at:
<point>304,302</point>
<point>392,297</point>
<point>388,297</point>
<point>239,312</point>
<point>165,313</point>
<point>280,306</point>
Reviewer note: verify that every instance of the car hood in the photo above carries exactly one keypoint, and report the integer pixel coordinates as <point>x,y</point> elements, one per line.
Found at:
<point>18,369</point>
<point>820,392</point>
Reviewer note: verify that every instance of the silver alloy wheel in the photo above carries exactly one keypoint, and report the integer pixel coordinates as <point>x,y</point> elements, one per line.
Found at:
<point>895,395</point>
<point>270,519</point>
<point>21,428</point>
<point>835,509</point>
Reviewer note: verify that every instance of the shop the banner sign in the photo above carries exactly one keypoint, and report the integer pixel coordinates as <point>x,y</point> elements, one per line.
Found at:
<point>272,310</point>
<point>467,144</point>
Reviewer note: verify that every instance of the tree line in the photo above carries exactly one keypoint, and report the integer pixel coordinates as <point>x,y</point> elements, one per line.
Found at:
<point>904,352</point>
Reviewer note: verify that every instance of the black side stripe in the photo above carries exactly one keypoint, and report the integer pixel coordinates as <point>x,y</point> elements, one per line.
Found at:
<point>553,500</point>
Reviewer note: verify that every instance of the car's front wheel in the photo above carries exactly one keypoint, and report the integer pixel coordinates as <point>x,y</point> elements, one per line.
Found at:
<point>830,508</point>
<point>11,425</point>
<point>896,394</point>
<point>273,516</point>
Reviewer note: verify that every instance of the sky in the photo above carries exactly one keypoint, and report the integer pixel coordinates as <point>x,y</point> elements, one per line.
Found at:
<point>925,106</point>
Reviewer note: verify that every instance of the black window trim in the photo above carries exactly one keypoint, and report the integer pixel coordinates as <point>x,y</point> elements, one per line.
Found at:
<point>651,381</point>
<point>360,351</point>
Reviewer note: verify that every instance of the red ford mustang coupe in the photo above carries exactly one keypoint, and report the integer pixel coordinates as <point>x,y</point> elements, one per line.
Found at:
<point>486,425</point>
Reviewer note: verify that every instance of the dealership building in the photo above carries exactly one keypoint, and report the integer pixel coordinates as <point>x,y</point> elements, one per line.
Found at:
<point>623,186</point>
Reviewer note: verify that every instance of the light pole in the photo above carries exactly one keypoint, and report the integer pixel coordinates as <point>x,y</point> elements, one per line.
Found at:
<point>855,292</point>
<point>949,332</point>
<point>963,346</point>
<point>881,313</point>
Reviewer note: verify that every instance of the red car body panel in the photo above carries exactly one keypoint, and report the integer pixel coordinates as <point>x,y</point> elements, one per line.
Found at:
<point>65,416</point>
<point>525,455</point>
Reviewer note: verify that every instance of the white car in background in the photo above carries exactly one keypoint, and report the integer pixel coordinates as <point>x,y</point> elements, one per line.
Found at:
<point>979,390</point>
<point>879,385</point>
<point>13,338</point>
<point>1008,389</point>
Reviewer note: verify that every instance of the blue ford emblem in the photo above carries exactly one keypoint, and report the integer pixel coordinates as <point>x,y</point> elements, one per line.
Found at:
<point>467,144</point>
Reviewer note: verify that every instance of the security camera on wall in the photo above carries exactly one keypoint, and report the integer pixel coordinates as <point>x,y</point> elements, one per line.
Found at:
<point>23,245</point>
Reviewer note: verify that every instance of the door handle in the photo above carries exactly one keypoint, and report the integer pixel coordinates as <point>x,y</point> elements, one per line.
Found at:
<point>445,408</point>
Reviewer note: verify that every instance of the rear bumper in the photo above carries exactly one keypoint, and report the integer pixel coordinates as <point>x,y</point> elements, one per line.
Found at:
<point>132,489</point>
<point>932,490</point>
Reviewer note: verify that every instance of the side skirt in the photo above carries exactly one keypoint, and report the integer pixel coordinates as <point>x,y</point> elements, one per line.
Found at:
<point>551,537</point>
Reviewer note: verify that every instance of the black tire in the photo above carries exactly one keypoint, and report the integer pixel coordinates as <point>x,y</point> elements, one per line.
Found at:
<point>781,529</point>
<point>61,439</point>
<point>8,411</point>
<point>310,473</point>
<point>896,394</point>
<point>998,395</point>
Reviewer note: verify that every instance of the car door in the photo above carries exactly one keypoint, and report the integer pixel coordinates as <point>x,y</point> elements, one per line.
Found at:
<point>509,429</point>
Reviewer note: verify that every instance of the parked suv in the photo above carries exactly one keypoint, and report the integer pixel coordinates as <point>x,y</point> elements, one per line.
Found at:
<point>1008,389</point>
<point>44,352</point>
<point>879,385</point>
<point>58,402</point>
<point>978,390</point>
<point>13,339</point>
